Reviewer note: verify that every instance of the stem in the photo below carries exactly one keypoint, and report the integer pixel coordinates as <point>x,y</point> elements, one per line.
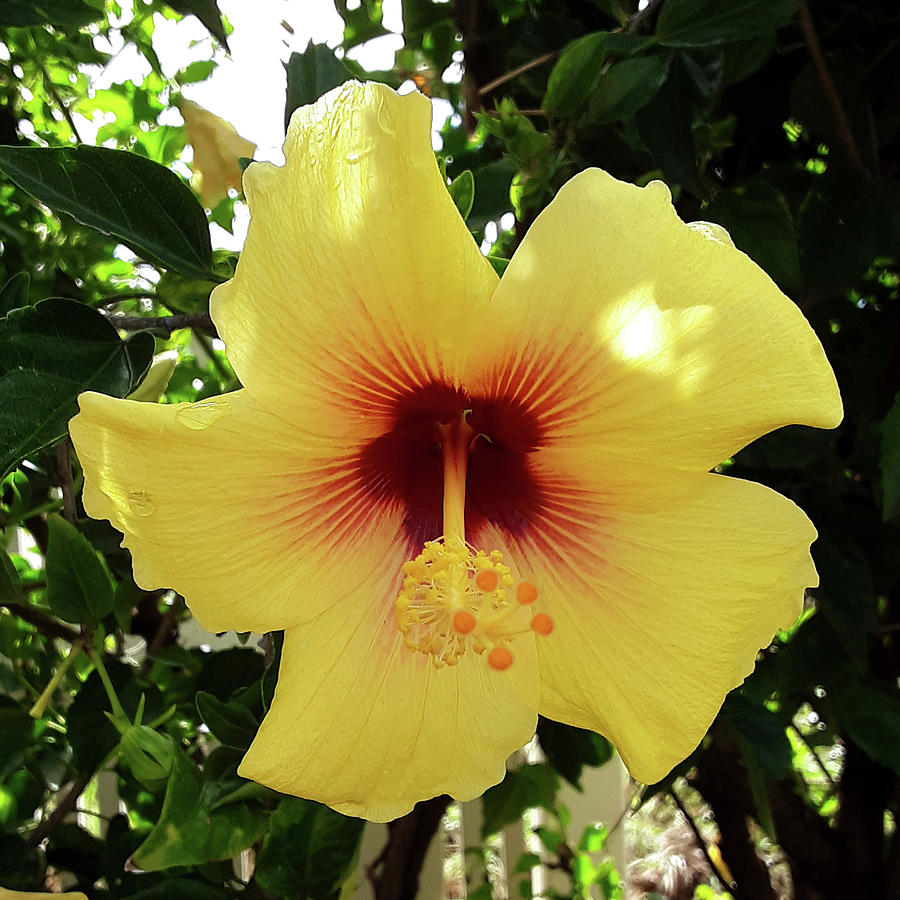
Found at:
<point>40,706</point>
<point>118,711</point>
<point>842,123</point>
<point>64,476</point>
<point>50,87</point>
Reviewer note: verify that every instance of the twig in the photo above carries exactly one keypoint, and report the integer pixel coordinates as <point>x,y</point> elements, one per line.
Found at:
<point>842,123</point>
<point>125,295</point>
<point>162,324</point>
<point>50,87</point>
<point>713,868</point>
<point>640,15</point>
<point>64,477</point>
<point>224,375</point>
<point>515,73</point>
<point>65,808</point>
<point>814,755</point>
<point>46,625</point>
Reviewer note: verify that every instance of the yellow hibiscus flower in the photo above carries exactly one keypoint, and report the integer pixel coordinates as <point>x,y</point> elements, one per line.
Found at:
<point>469,500</point>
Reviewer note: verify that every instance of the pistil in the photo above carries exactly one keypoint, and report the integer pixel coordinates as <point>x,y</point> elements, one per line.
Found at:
<point>456,598</point>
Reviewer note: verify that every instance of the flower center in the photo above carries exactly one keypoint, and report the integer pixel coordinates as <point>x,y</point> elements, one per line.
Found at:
<point>454,597</point>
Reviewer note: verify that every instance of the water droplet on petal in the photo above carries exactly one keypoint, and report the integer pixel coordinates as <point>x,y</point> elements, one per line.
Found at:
<point>198,416</point>
<point>140,503</point>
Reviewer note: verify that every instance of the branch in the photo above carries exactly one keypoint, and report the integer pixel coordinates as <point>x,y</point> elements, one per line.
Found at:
<point>841,122</point>
<point>640,15</point>
<point>46,625</point>
<point>400,862</point>
<point>701,843</point>
<point>164,325</point>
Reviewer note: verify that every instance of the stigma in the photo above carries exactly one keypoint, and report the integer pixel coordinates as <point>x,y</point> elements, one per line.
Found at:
<point>457,599</point>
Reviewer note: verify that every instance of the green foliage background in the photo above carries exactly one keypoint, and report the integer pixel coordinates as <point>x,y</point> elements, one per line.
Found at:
<point>776,119</point>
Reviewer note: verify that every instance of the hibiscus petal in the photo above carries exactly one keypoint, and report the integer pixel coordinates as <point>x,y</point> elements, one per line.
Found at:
<point>662,586</point>
<point>364,724</point>
<point>623,328</point>
<point>359,280</point>
<point>257,524</point>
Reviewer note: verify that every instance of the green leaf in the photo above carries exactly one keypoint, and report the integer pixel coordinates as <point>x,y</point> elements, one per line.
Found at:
<point>310,74</point>
<point>570,749</point>
<point>309,852</point>
<point>890,462</point>
<point>49,354</point>
<point>231,723</point>
<point>189,831</point>
<point>79,588</point>
<point>759,221</point>
<point>701,23</point>
<point>522,789</point>
<point>14,293</point>
<point>871,717</point>
<point>575,74</point>
<point>462,190</point>
<point>207,11</point>
<point>59,13</point>
<point>139,202</point>
<point>628,86</point>
<point>199,70</point>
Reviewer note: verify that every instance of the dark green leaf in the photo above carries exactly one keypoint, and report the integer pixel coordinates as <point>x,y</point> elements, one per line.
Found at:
<point>628,86</point>
<point>522,789</point>
<point>17,729</point>
<point>310,74</point>
<point>143,204</point>
<point>309,852</point>
<point>189,831</point>
<point>845,596</point>
<point>700,23</point>
<point>570,749</point>
<point>10,585</point>
<point>890,462</point>
<point>462,190</point>
<point>179,889</point>
<point>207,11</point>
<point>49,354</point>
<point>665,127</point>
<point>79,588</point>
<point>743,58</point>
<point>14,293</point>
<point>760,223</point>
<point>231,723</point>
<point>59,13</point>
<point>576,73</point>
<point>871,717</point>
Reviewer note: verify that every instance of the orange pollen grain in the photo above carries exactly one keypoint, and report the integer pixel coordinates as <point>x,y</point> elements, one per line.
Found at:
<point>500,658</point>
<point>463,621</point>
<point>526,593</point>
<point>487,581</point>
<point>542,624</point>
